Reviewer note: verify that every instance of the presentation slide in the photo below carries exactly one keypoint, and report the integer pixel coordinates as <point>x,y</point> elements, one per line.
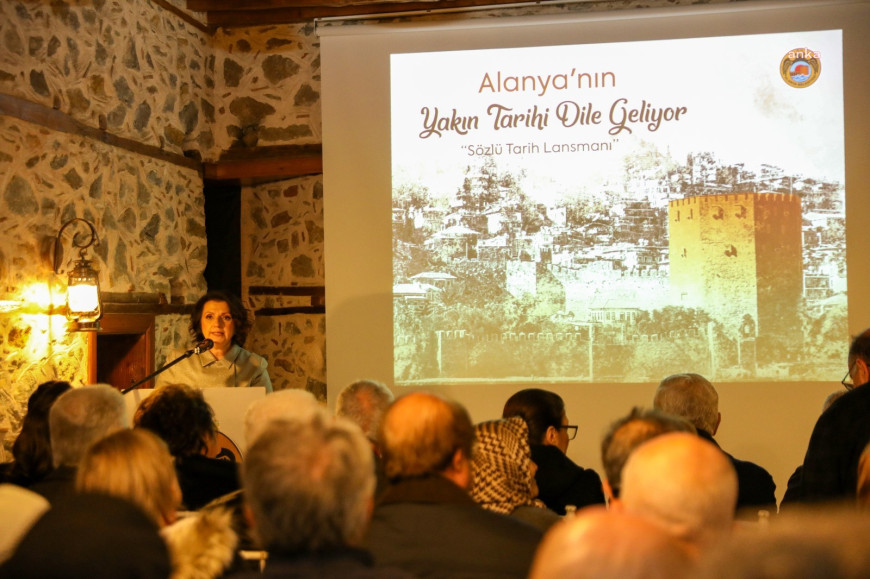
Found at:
<point>607,212</point>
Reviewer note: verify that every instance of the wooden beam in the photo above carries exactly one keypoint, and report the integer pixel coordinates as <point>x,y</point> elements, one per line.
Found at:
<point>264,164</point>
<point>291,13</point>
<point>292,290</point>
<point>56,120</point>
<point>291,311</point>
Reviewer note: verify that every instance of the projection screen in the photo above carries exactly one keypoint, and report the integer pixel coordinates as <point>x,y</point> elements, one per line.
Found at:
<point>596,198</point>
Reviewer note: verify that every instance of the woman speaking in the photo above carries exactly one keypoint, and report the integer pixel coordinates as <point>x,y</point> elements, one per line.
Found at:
<point>221,318</point>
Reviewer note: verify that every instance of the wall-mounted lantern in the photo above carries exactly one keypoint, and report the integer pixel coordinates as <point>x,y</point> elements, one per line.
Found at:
<point>83,301</point>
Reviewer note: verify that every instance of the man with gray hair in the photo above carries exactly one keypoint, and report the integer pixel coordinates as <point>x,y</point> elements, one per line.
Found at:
<point>364,403</point>
<point>79,418</point>
<point>308,485</point>
<point>693,397</point>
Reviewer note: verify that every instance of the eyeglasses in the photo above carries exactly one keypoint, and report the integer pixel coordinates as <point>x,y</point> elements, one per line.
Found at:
<point>847,382</point>
<point>571,429</point>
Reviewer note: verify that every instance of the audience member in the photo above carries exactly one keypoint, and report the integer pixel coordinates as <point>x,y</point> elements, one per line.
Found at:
<point>693,397</point>
<point>628,433</point>
<point>78,418</point>
<point>31,451</point>
<point>364,403</point>
<point>864,479</point>
<point>95,536</point>
<point>792,486</point>
<point>135,465</point>
<point>309,488</point>
<point>800,544</point>
<point>425,522</point>
<point>830,467</point>
<point>19,510</point>
<point>684,484</point>
<point>184,420</point>
<point>597,544</point>
<point>288,404</point>
<point>560,481</point>
<point>503,473</point>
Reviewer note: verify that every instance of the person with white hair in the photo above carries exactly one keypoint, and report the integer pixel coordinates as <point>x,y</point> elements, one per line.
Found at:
<point>288,404</point>
<point>309,487</point>
<point>79,418</point>
<point>685,485</point>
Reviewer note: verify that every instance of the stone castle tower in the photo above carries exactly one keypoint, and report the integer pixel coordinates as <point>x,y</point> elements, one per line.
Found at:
<point>736,255</point>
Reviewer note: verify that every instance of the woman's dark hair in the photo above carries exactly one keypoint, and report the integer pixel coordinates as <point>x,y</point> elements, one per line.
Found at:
<point>540,409</point>
<point>180,416</point>
<point>31,451</point>
<point>237,310</point>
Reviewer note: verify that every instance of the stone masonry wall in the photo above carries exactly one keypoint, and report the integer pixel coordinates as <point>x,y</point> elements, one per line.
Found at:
<point>138,72</point>
<point>127,66</point>
<point>268,86</point>
<point>282,245</point>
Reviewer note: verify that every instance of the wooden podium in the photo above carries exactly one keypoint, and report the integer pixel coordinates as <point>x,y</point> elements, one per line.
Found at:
<point>229,406</point>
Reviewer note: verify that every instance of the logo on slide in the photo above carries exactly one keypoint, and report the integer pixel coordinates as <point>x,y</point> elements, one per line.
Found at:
<point>800,67</point>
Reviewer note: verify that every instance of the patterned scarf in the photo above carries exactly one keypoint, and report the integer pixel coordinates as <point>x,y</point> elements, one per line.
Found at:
<point>501,474</point>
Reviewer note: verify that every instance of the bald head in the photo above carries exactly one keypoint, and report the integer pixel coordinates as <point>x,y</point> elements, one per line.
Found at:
<point>684,484</point>
<point>689,396</point>
<point>597,544</point>
<point>421,434</point>
<point>629,432</point>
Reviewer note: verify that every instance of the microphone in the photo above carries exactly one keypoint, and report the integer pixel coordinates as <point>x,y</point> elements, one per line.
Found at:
<point>203,346</point>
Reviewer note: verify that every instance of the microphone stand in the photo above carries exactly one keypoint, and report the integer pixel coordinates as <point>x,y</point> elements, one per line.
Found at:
<point>203,346</point>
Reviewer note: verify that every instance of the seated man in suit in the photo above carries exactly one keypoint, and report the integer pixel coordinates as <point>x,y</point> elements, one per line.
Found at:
<point>693,397</point>
<point>830,467</point>
<point>425,521</point>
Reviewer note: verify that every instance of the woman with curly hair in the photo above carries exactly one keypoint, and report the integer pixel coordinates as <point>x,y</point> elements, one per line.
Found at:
<point>180,416</point>
<point>221,318</point>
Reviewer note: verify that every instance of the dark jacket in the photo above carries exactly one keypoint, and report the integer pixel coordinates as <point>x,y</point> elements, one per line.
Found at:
<point>432,528</point>
<point>830,468</point>
<point>562,482</point>
<point>755,487</point>
<point>58,485</point>
<point>203,479</point>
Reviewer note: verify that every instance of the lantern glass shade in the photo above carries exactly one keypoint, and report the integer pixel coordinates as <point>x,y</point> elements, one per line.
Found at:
<point>83,296</point>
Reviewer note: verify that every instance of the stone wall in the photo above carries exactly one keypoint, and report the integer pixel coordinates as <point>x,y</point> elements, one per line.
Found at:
<point>138,72</point>
<point>127,66</point>
<point>267,86</point>
<point>282,245</point>
<point>150,219</point>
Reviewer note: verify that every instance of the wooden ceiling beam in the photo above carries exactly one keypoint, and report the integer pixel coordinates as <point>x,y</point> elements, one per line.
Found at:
<point>220,14</point>
<point>265,164</point>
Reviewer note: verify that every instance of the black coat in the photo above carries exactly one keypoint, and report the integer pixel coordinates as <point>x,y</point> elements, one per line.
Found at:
<point>430,527</point>
<point>562,482</point>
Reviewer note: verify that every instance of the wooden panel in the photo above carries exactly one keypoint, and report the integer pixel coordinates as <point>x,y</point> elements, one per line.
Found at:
<point>122,351</point>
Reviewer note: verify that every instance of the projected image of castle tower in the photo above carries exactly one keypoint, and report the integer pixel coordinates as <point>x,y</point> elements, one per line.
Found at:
<point>738,257</point>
